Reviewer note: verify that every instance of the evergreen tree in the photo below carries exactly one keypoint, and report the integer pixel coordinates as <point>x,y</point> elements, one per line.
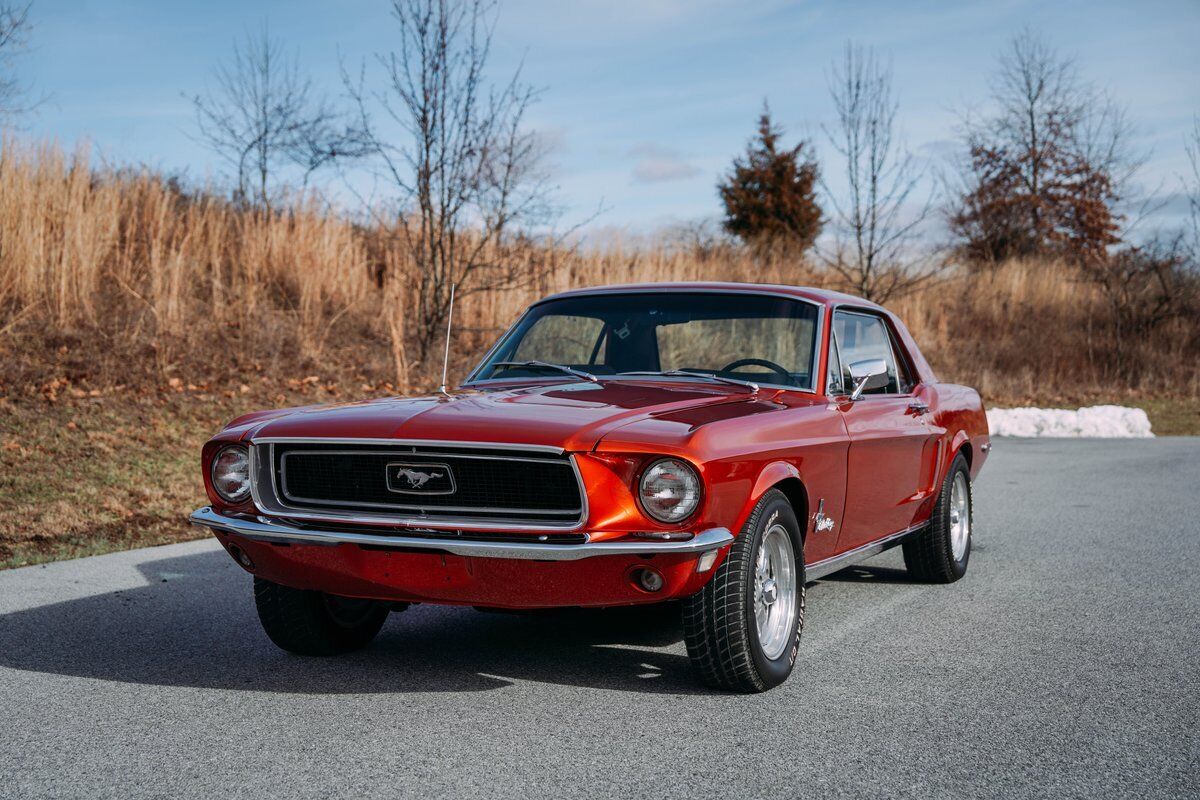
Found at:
<point>769,194</point>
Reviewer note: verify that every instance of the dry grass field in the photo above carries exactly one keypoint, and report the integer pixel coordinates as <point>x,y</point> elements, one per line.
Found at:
<point>136,317</point>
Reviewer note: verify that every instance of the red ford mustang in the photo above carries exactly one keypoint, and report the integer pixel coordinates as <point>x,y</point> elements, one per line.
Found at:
<point>719,444</point>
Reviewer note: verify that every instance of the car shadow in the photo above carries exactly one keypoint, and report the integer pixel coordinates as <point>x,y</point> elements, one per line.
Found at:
<point>194,625</point>
<point>869,574</point>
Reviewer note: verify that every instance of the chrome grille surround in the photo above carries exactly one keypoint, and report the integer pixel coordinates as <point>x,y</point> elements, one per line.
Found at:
<point>268,498</point>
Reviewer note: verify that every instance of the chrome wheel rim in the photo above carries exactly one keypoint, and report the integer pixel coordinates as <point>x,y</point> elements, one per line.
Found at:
<point>960,516</point>
<point>775,577</point>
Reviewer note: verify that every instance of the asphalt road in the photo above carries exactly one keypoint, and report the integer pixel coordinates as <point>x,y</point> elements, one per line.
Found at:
<point>1065,664</point>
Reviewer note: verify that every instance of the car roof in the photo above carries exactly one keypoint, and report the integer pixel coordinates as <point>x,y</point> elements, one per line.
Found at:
<point>823,297</point>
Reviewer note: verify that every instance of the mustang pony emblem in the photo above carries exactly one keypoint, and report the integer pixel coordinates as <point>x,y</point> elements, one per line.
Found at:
<point>420,479</point>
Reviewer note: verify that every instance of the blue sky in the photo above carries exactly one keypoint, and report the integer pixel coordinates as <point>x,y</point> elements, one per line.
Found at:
<point>646,101</point>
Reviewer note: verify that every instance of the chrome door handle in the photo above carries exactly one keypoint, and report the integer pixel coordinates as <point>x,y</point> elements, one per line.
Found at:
<point>918,407</point>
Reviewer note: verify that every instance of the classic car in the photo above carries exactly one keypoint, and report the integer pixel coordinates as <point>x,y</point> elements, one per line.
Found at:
<point>719,445</point>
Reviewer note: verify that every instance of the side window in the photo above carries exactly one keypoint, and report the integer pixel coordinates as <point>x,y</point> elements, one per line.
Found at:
<point>562,339</point>
<point>861,337</point>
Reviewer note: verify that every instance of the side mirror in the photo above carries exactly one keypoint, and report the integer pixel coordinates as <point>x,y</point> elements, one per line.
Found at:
<point>868,374</point>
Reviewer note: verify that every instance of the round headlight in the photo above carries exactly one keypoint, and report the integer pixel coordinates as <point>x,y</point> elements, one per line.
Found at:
<point>231,473</point>
<point>669,490</point>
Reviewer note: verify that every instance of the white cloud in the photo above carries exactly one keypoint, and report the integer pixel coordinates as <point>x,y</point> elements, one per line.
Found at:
<point>658,164</point>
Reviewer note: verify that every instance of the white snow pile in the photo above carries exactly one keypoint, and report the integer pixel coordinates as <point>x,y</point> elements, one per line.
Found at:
<point>1105,422</point>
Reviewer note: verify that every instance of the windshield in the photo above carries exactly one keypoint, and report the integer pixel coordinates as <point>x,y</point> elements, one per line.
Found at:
<point>759,338</point>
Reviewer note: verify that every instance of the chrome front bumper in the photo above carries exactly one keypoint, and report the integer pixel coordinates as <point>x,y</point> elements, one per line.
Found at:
<point>270,529</point>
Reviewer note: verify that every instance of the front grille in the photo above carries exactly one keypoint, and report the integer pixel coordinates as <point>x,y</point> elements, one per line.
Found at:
<point>412,481</point>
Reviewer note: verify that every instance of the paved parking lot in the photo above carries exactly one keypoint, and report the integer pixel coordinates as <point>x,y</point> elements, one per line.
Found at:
<point>1066,664</point>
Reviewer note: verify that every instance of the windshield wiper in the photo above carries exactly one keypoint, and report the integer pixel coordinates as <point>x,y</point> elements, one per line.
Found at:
<point>578,373</point>
<point>687,373</point>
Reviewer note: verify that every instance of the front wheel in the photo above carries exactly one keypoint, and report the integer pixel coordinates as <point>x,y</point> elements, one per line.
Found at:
<point>314,623</point>
<point>939,554</point>
<point>743,628</point>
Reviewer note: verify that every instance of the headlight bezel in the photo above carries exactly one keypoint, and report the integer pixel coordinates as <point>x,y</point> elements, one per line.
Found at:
<point>695,498</point>
<point>243,494</point>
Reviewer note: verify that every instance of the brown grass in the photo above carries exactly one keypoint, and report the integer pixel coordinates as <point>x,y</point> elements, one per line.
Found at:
<point>157,312</point>
<point>144,283</point>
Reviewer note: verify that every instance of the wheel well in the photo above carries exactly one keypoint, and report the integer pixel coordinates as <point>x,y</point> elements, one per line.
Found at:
<point>797,495</point>
<point>966,452</point>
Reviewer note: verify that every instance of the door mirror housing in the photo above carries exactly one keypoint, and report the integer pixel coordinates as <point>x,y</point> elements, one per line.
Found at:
<point>870,373</point>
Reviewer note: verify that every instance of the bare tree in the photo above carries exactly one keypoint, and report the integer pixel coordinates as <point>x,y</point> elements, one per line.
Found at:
<point>1192,188</point>
<point>1144,287</point>
<point>1103,137</point>
<point>1048,167</point>
<point>14,27</point>
<point>704,238</point>
<point>263,117</point>
<point>1040,103</point>
<point>1155,282</point>
<point>878,220</point>
<point>466,173</point>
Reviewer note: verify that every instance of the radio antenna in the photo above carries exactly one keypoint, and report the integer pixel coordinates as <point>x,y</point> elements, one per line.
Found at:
<point>446,354</point>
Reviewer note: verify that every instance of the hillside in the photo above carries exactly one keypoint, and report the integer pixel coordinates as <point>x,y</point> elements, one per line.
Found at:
<point>136,316</point>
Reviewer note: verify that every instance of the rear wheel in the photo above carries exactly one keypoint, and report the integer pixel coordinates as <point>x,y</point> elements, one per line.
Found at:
<point>940,553</point>
<point>314,623</point>
<point>743,628</point>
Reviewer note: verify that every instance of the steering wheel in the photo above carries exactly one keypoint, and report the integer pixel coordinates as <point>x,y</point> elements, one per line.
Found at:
<point>757,362</point>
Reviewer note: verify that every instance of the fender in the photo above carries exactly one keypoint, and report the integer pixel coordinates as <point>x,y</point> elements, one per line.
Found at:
<point>770,475</point>
<point>960,438</point>
<point>948,454</point>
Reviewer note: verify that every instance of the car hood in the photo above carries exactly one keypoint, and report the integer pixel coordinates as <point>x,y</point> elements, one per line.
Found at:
<point>572,416</point>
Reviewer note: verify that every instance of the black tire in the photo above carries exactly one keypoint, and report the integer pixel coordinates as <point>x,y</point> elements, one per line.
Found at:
<point>314,623</point>
<point>929,555</point>
<point>719,621</point>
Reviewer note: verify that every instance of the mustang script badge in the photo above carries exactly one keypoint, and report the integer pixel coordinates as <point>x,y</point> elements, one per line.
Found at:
<point>822,522</point>
<point>420,479</point>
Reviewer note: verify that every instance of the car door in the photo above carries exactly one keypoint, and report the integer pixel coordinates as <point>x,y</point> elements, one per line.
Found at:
<point>892,447</point>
